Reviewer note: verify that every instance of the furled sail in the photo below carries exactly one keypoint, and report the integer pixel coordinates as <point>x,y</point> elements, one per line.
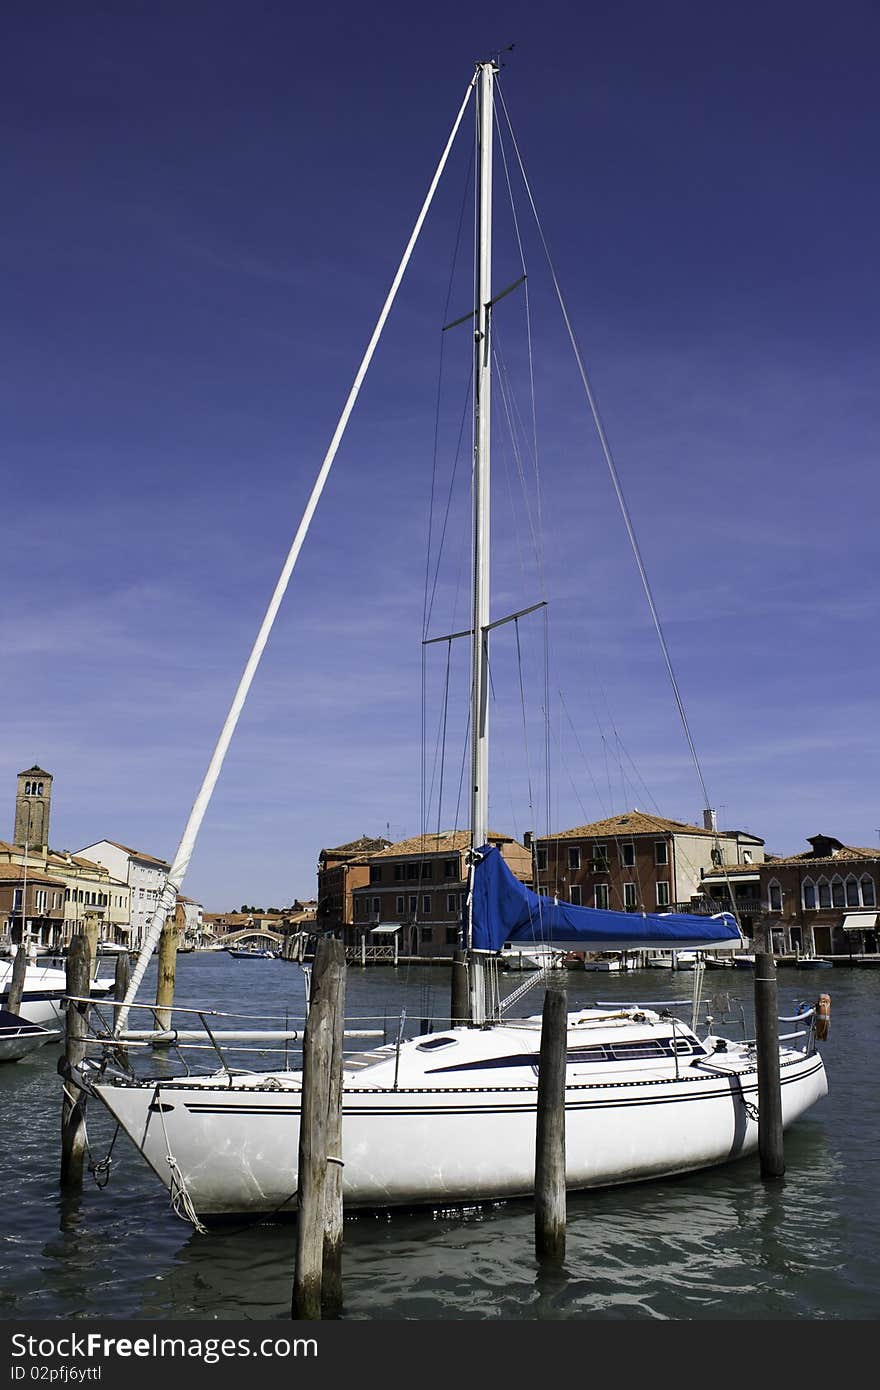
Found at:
<point>504,909</point>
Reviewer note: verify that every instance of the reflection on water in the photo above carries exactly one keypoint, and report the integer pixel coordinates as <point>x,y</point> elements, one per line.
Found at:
<point>718,1244</point>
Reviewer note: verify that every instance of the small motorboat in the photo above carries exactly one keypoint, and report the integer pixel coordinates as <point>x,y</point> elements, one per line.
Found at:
<point>813,963</point>
<point>250,953</point>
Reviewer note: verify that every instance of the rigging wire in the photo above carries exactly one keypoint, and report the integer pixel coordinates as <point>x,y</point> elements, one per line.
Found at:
<point>609,460</point>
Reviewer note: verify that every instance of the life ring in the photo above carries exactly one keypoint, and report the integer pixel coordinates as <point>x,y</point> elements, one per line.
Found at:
<point>823,1016</point>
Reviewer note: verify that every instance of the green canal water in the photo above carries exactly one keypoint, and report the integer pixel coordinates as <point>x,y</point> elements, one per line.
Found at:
<point>717,1245</point>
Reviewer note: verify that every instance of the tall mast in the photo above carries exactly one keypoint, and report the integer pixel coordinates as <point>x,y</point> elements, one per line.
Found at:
<point>482,417</point>
<point>482,409</point>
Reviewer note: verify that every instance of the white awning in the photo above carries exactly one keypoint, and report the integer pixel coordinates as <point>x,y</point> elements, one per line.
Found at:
<point>386,928</point>
<point>860,921</point>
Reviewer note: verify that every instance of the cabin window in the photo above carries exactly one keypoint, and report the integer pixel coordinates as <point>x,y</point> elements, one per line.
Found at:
<point>662,892</point>
<point>661,852</point>
<point>574,894</point>
<point>574,857</point>
<point>600,895</point>
<point>433,1043</point>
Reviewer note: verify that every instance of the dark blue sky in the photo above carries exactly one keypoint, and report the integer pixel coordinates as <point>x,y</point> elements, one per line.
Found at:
<point>204,204</point>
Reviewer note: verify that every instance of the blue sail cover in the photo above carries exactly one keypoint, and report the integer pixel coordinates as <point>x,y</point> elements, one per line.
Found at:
<point>504,909</point>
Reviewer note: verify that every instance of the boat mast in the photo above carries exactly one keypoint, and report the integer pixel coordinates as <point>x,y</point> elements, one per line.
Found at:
<point>482,413</point>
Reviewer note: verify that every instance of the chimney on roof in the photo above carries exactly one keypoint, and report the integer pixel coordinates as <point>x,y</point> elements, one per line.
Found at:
<point>710,820</point>
<point>527,839</point>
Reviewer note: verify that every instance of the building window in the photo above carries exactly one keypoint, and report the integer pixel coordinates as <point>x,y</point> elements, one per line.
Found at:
<point>398,905</point>
<point>375,873</point>
<point>541,860</point>
<point>451,902</point>
<point>413,905</point>
<point>16,900</point>
<point>450,868</point>
<point>377,906</point>
<point>837,898</point>
<point>662,891</point>
<point>775,896</point>
<point>600,895</point>
<point>574,894</point>
<point>426,902</point>
<point>869,898</point>
<point>808,894</point>
<point>574,857</point>
<point>412,870</point>
<point>747,856</point>
<point>629,895</point>
<point>852,891</point>
<point>661,852</point>
<point>600,859</point>
<point>824,893</point>
<point>628,854</point>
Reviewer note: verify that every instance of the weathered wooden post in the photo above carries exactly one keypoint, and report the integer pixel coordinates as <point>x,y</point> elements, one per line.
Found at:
<point>73,1138</point>
<point>770,1146</point>
<point>459,1008</point>
<point>122,976</point>
<point>167,969</point>
<point>331,1275</point>
<point>16,984</point>
<point>318,1227</point>
<point>550,1131</point>
<point>91,929</point>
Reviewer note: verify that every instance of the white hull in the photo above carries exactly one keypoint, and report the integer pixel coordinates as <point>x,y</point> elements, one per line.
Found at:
<point>44,989</point>
<point>434,1140</point>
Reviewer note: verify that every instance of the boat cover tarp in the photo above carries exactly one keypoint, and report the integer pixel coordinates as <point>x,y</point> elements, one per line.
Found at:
<point>504,909</point>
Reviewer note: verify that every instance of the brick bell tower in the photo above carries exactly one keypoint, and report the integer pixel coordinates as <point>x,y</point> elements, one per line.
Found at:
<point>33,798</point>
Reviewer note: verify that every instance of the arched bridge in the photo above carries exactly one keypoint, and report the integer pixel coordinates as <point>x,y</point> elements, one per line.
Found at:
<point>260,936</point>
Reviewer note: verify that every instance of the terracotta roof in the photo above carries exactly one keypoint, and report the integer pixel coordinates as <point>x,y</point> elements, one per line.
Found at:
<point>61,858</point>
<point>444,842</point>
<point>731,870</point>
<point>13,873</point>
<point>848,852</point>
<point>631,823</point>
<point>366,844</point>
<point>138,854</point>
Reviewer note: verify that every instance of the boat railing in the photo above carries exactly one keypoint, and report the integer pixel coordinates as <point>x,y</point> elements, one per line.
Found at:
<point>203,1031</point>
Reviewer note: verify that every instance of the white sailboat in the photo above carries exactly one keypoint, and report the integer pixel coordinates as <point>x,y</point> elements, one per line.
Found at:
<point>45,987</point>
<point>449,1116</point>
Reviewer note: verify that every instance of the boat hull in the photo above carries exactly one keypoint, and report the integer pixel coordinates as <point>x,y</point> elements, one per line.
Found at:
<point>236,1149</point>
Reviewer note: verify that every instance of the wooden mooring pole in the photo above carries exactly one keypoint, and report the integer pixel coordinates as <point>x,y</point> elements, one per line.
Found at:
<point>73,1101</point>
<point>317,1285</point>
<point>550,1131</point>
<point>770,1145</point>
<point>16,983</point>
<point>167,970</point>
<point>459,1007</point>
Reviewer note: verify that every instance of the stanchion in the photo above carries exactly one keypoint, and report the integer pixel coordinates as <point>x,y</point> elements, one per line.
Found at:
<point>550,1131</point>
